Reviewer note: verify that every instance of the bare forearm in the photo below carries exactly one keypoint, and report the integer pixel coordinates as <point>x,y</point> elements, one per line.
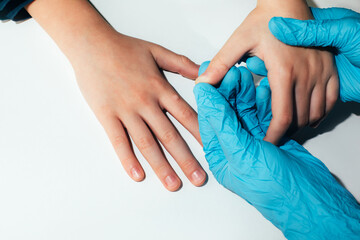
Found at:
<point>73,24</point>
<point>289,8</point>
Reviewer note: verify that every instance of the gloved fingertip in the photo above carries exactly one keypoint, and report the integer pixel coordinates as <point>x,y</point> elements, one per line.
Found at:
<point>256,65</point>
<point>287,30</point>
<point>203,67</point>
<point>274,21</point>
<point>265,82</point>
<point>275,24</point>
<point>278,27</point>
<point>263,93</point>
<point>245,73</point>
<point>230,85</point>
<point>233,73</point>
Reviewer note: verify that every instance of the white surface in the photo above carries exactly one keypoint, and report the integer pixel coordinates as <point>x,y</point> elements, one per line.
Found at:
<point>60,178</point>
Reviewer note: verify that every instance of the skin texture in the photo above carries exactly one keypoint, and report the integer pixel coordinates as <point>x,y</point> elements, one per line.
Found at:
<point>304,82</point>
<point>121,78</point>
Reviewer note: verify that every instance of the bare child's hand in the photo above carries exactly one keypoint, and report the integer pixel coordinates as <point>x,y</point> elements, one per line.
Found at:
<point>129,95</point>
<point>121,78</point>
<point>304,82</point>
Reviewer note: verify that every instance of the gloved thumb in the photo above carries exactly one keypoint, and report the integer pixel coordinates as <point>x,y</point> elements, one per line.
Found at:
<point>343,34</point>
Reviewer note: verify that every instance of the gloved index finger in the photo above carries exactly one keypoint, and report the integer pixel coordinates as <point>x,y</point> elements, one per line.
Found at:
<point>246,104</point>
<point>203,67</point>
<point>233,139</point>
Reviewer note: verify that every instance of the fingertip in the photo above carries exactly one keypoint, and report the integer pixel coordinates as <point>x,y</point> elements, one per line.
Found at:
<point>232,75</point>
<point>203,67</point>
<point>316,124</point>
<point>265,82</point>
<point>277,129</point>
<point>270,139</point>
<point>172,183</point>
<point>263,93</point>
<point>174,62</point>
<point>277,23</point>
<point>245,73</point>
<point>189,69</point>
<point>278,27</point>
<point>198,177</point>
<point>215,72</point>
<point>256,65</point>
<point>137,174</point>
<point>273,23</point>
<point>194,71</point>
<point>204,78</point>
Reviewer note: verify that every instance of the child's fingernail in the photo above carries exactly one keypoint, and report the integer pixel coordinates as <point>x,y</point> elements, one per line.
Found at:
<point>171,181</point>
<point>136,174</point>
<point>198,177</point>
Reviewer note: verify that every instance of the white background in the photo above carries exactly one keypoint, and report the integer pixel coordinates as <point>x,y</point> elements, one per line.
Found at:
<point>59,176</point>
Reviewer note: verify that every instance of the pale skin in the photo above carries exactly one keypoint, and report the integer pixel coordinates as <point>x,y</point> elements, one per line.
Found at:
<point>121,79</point>
<point>304,82</point>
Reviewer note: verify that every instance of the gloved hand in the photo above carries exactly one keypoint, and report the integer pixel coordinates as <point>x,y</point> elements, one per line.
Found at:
<point>333,27</point>
<point>290,187</point>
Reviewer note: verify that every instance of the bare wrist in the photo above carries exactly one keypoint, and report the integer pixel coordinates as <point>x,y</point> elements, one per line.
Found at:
<point>289,8</point>
<point>73,24</point>
<point>280,2</point>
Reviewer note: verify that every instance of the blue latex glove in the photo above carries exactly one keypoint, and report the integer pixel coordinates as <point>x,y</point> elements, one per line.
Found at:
<point>332,27</point>
<point>290,187</point>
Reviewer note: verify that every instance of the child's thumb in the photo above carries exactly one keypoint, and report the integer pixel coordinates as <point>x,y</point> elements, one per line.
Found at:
<point>227,57</point>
